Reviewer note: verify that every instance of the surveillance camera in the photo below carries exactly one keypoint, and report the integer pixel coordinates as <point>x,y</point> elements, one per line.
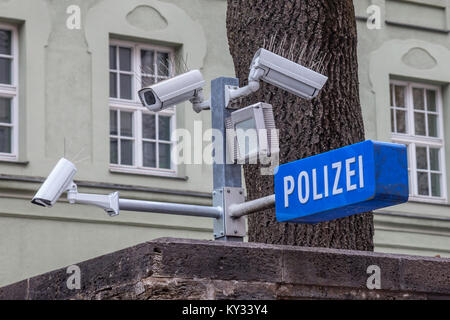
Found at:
<point>59,181</point>
<point>165,94</point>
<point>287,75</point>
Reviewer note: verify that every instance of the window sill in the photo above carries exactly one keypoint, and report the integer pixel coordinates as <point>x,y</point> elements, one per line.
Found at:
<point>427,200</point>
<point>169,174</point>
<point>12,160</point>
<point>8,88</point>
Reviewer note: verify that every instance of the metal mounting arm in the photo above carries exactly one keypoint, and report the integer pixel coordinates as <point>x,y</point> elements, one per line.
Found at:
<point>171,208</point>
<point>199,103</point>
<point>238,210</point>
<point>232,92</point>
<point>110,203</point>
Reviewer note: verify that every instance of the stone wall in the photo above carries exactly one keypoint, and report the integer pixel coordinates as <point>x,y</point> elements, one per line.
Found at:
<point>169,268</point>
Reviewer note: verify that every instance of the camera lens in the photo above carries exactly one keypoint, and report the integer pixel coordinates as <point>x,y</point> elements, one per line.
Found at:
<point>149,98</point>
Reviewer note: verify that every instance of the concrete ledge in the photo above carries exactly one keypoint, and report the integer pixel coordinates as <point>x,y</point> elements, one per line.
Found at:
<point>189,269</point>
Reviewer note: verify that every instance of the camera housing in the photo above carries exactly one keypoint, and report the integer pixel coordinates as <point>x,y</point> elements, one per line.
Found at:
<point>59,181</point>
<point>288,75</point>
<point>168,93</point>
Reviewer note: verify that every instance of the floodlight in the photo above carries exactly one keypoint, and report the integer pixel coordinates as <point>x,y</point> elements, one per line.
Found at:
<point>251,132</point>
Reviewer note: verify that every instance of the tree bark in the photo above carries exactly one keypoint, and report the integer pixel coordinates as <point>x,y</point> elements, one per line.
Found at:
<point>330,121</point>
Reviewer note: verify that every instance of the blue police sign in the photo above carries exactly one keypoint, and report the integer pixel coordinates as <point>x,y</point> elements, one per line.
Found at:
<point>339,183</point>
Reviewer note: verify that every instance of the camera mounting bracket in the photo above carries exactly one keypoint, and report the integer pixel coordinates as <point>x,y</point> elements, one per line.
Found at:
<point>109,203</point>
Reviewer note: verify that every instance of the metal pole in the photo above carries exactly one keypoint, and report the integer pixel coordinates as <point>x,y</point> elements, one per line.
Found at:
<point>224,174</point>
<point>170,208</point>
<point>227,184</point>
<point>241,209</point>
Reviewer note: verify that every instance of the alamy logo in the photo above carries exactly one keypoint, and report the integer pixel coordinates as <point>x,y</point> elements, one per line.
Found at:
<point>374,18</point>
<point>374,280</point>
<point>74,280</point>
<point>73,22</point>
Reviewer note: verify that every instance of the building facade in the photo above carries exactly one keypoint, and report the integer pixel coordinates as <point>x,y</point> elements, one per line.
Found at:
<point>404,72</point>
<point>69,73</point>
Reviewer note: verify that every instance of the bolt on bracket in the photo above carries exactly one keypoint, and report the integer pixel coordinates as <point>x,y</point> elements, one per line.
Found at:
<point>227,227</point>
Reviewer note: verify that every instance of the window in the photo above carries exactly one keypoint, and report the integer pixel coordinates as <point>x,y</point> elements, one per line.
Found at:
<point>416,121</point>
<point>140,140</point>
<point>8,92</point>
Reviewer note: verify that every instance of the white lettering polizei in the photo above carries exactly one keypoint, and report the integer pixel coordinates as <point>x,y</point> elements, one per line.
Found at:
<point>316,196</point>
<point>301,198</point>
<point>288,189</point>
<point>349,174</point>
<point>361,172</point>
<point>337,166</point>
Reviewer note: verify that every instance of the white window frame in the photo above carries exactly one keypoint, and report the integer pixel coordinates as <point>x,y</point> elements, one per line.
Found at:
<point>12,91</point>
<point>409,138</point>
<point>134,105</point>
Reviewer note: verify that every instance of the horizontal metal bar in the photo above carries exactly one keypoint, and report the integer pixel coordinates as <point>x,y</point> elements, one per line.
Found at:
<point>242,209</point>
<point>170,208</point>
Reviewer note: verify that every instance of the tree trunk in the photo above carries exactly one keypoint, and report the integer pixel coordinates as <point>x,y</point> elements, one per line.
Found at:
<point>327,28</point>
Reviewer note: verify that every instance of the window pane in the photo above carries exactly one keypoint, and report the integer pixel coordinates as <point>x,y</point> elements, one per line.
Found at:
<point>431,100</point>
<point>392,121</point>
<point>113,122</point>
<point>113,57</point>
<point>148,126</point>
<point>149,154</point>
<point>5,139</point>
<point>400,96</point>
<point>112,85</point>
<point>113,152</point>
<point>434,159</point>
<point>419,123</point>
<point>125,59</point>
<point>5,71</point>
<point>421,156</point>
<point>435,185</point>
<point>410,182</point>
<point>163,64</point>
<point>401,121</point>
<point>5,110</point>
<point>432,125</point>
<point>418,98</point>
<point>5,42</point>
<point>126,152</point>
<point>164,156</point>
<point>422,180</point>
<point>164,128</point>
<point>391,94</point>
<point>408,151</point>
<point>147,81</point>
<point>125,86</point>
<point>147,61</point>
<point>126,124</point>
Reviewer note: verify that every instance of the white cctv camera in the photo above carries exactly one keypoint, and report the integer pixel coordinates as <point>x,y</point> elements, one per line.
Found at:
<point>167,93</point>
<point>282,73</point>
<point>60,180</point>
<point>288,75</point>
